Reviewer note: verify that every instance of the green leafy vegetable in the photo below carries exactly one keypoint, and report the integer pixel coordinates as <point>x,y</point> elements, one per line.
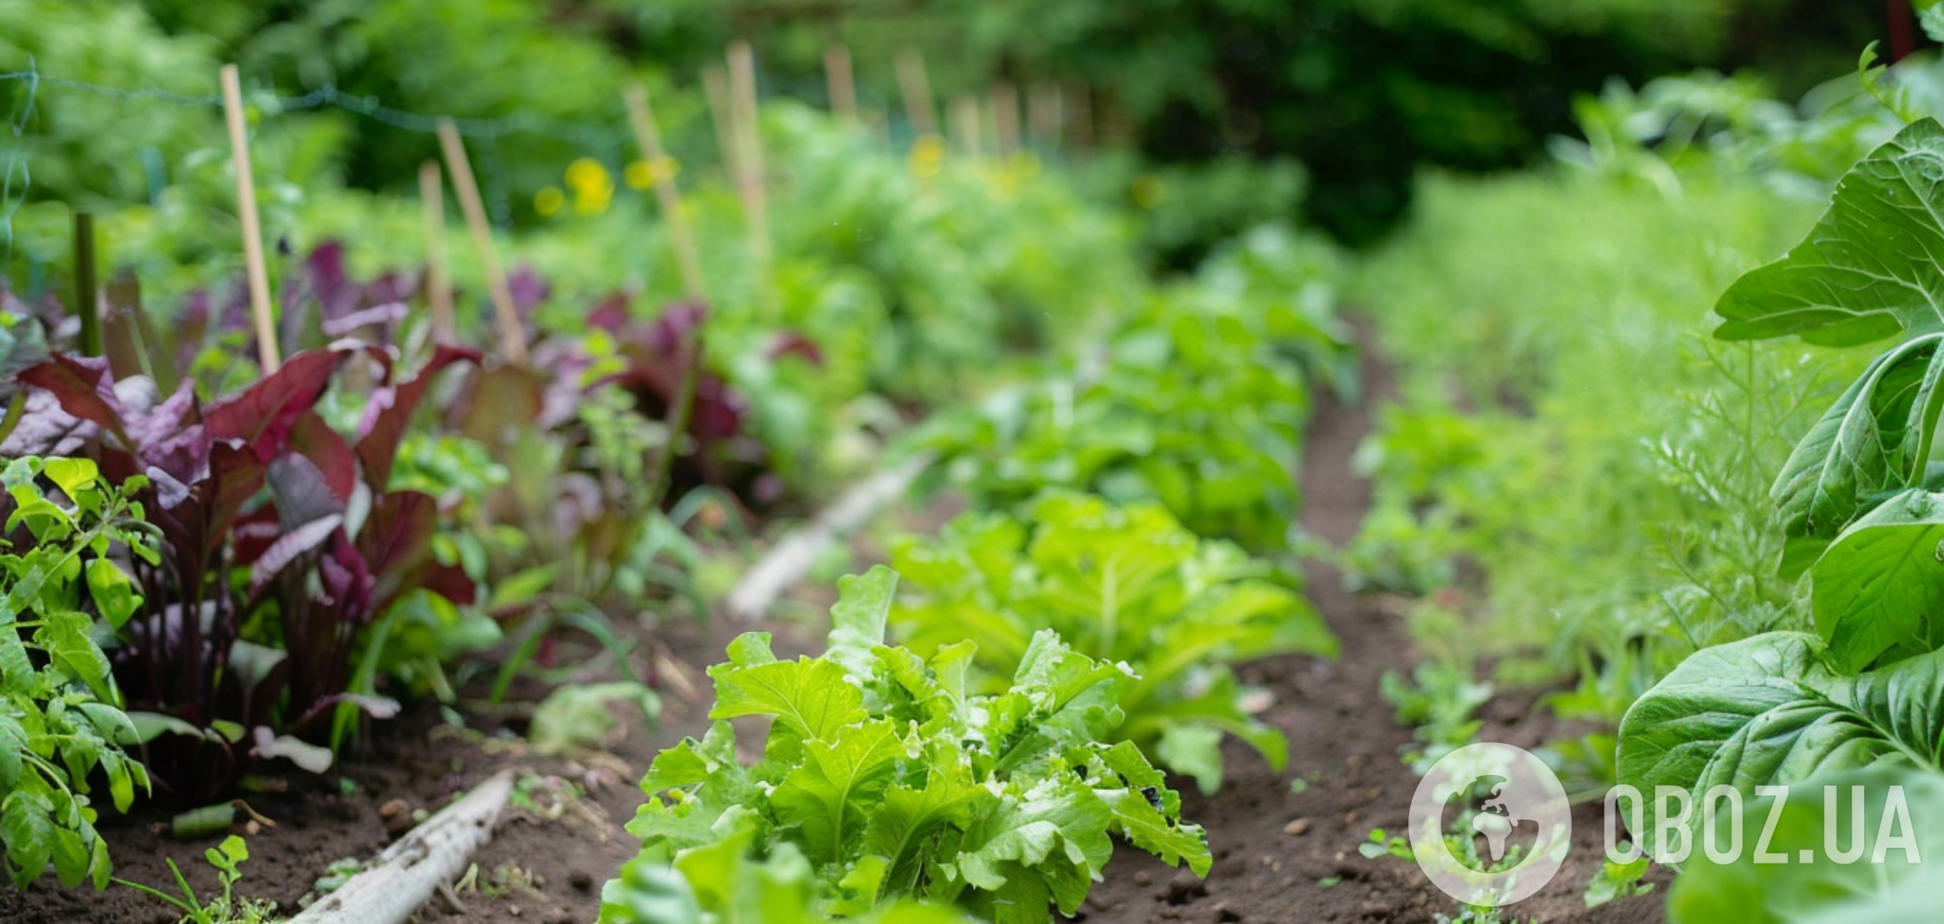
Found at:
<point>1868,270</point>
<point>892,781</point>
<point>1880,883</point>
<point>1122,584</point>
<point>1765,711</point>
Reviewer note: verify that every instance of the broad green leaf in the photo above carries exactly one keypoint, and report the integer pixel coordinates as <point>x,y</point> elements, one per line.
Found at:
<point>809,699</point>
<point>1764,711</point>
<point>1147,813</point>
<point>113,592</point>
<point>1056,832</point>
<point>72,476</point>
<point>857,619</point>
<point>1824,891</point>
<point>1869,268</point>
<point>1878,590</point>
<point>908,816</point>
<point>1874,439</point>
<point>27,831</point>
<point>832,793</point>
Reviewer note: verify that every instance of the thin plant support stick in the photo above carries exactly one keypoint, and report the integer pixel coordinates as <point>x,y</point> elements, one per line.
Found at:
<point>1043,114</point>
<point>404,876</point>
<point>751,181</point>
<point>246,205</point>
<point>688,262</point>
<point>749,155</point>
<point>842,83</point>
<point>1080,121</point>
<point>438,272</point>
<point>512,338</point>
<point>722,115</point>
<point>1005,118</point>
<point>87,290</point>
<point>688,259</point>
<point>916,88</point>
<point>965,125</point>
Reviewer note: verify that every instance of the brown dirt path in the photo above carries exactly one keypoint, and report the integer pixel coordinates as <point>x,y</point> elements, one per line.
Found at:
<point>1345,743</point>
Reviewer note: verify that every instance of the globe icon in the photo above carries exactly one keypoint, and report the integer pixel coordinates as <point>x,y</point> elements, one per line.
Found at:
<point>1490,824</point>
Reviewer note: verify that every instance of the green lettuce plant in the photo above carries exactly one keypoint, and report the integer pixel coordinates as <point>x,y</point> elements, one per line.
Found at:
<point>1122,584</point>
<point>895,781</point>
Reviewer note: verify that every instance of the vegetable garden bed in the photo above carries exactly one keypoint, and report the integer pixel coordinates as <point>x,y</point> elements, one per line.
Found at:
<point>1282,851</point>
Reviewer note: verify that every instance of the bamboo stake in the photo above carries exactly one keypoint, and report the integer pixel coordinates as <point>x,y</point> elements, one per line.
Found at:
<point>512,338</point>
<point>749,154</point>
<point>722,114</point>
<point>258,275</point>
<point>689,263</point>
<point>688,260</point>
<point>1043,114</point>
<point>1005,118</point>
<point>965,124</point>
<point>916,88</point>
<point>87,298</point>
<point>438,273</point>
<point>1080,121</point>
<point>842,83</point>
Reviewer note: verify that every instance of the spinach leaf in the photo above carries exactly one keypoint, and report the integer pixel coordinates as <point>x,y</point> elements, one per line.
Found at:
<point>1869,269</point>
<point>1766,711</point>
<point>1824,891</point>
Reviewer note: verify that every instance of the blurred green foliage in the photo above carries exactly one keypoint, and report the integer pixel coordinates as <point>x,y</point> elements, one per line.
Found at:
<point>1361,92</point>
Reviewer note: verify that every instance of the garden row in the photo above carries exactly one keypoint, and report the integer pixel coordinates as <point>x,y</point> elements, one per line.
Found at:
<point>220,568</point>
<point>1730,571</point>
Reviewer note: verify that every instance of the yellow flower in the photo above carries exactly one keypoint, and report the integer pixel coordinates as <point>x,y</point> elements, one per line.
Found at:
<point>927,155</point>
<point>549,200</point>
<point>587,173</point>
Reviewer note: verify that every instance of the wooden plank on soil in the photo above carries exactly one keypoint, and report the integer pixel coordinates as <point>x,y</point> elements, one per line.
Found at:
<point>789,560</point>
<point>405,875</point>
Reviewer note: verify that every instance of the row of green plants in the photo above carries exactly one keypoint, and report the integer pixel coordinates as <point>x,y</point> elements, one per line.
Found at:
<point>1731,569</point>
<point>1850,701</point>
<point>1055,649</point>
<point>386,516</point>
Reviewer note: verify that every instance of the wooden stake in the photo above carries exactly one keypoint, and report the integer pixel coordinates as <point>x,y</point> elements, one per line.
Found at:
<point>688,260</point>
<point>749,154</point>
<point>965,124</point>
<point>258,274</point>
<point>722,114</point>
<point>1080,123</point>
<point>1005,118</point>
<point>842,83</point>
<point>916,88</point>
<point>87,297</point>
<point>1043,114</point>
<point>512,338</point>
<point>438,273</point>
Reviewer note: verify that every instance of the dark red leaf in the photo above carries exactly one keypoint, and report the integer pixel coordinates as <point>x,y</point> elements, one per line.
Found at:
<point>263,415</point>
<point>390,411</point>
<point>314,439</point>
<point>396,541</point>
<point>85,389</point>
